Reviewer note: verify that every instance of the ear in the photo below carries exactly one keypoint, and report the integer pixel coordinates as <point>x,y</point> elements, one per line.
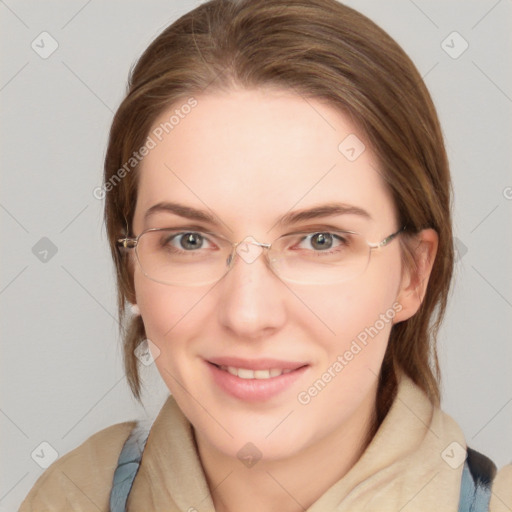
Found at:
<point>414,281</point>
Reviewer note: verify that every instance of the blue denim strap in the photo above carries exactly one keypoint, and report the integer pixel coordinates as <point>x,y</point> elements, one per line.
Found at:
<point>127,467</point>
<point>477,476</point>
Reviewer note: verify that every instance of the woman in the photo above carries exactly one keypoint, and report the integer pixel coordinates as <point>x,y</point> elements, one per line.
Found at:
<point>278,209</point>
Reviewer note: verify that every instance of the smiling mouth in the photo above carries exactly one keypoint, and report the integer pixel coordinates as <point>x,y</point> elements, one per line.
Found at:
<point>266,378</point>
<point>246,373</point>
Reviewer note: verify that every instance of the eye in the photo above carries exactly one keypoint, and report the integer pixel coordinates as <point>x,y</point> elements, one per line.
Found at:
<point>323,241</point>
<point>188,241</point>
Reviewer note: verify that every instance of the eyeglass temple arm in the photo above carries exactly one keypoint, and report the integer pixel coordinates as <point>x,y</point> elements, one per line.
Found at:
<point>391,237</point>
<point>387,240</point>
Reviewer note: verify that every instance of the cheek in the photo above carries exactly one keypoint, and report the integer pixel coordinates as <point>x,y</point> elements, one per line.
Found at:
<point>356,320</point>
<point>344,311</point>
<point>167,311</point>
<point>360,314</point>
<point>171,322</point>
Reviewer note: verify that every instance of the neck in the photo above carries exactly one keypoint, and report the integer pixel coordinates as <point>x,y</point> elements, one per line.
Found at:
<point>292,484</point>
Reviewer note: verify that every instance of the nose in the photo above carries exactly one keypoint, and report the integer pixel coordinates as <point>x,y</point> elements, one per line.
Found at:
<point>252,297</point>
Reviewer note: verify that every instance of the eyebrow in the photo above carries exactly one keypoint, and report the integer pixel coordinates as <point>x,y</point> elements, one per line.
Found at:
<point>181,210</point>
<point>324,210</point>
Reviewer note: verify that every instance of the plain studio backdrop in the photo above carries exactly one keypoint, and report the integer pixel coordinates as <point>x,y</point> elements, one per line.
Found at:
<point>63,74</point>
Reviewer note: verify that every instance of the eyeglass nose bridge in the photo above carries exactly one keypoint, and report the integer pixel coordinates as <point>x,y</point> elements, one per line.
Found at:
<point>248,249</point>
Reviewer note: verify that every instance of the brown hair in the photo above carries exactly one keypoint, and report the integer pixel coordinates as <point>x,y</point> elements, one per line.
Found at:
<point>320,49</point>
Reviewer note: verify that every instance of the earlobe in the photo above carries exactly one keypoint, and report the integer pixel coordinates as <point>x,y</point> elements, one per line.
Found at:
<point>415,280</point>
<point>134,309</point>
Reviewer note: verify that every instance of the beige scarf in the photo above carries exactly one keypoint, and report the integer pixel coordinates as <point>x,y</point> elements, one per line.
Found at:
<point>414,463</point>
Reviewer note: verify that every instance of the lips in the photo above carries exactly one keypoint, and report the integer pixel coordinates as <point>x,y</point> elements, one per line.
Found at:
<point>256,364</point>
<point>254,380</point>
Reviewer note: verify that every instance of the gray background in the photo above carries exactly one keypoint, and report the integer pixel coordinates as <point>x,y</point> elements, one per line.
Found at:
<point>61,371</point>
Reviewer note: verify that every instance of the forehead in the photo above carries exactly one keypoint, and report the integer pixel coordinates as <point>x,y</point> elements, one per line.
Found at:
<point>255,154</point>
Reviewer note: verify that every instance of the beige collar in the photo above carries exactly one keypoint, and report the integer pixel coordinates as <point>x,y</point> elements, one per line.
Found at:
<point>402,469</point>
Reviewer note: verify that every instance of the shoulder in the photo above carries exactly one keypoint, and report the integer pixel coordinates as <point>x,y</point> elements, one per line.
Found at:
<point>501,497</point>
<point>82,478</point>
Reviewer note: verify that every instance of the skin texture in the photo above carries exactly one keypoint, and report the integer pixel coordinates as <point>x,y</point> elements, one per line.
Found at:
<point>250,157</point>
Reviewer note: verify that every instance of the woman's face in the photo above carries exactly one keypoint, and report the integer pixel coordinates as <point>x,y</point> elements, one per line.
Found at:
<point>248,158</point>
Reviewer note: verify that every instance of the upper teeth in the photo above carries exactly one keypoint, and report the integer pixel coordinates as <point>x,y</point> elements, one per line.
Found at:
<point>245,373</point>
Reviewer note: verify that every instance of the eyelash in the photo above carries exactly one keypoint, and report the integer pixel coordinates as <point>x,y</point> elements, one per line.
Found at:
<point>343,241</point>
